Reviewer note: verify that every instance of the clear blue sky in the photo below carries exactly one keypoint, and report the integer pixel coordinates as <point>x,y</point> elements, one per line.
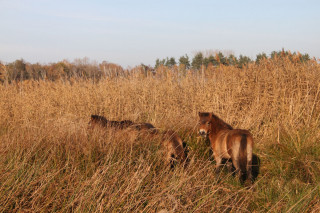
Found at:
<point>130,32</point>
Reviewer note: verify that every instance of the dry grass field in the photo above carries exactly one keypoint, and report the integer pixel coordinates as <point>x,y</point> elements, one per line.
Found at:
<point>50,161</point>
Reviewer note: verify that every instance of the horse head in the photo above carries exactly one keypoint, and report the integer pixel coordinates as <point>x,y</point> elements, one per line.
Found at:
<point>205,121</point>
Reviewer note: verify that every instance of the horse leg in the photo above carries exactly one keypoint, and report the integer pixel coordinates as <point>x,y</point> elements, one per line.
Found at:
<point>218,165</point>
<point>249,163</point>
<point>237,169</point>
<point>230,166</point>
<point>249,171</point>
<point>171,160</point>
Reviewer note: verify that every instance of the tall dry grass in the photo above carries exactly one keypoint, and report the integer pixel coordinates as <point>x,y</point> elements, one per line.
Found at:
<point>50,161</point>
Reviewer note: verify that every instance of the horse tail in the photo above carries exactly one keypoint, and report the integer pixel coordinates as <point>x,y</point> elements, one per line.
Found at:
<point>243,154</point>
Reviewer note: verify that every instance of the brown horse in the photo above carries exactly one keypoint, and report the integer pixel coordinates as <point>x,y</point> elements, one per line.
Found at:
<point>175,148</point>
<point>228,143</point>
<point>103,122</point>
<point>173,144</point>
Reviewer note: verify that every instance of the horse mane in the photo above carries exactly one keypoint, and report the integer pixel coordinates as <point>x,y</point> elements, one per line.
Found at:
<point>101,120</point>
<point>97,118</point>
<point>105,122</point>
<point>218,122</point>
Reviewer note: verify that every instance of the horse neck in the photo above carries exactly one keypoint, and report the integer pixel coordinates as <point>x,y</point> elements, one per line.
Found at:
<point>218,125</point>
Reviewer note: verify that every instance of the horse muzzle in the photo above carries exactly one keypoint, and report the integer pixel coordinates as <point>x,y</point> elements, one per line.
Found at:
<point>203,133</point>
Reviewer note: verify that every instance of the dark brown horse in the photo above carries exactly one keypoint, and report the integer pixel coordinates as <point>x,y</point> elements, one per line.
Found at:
<point>103,122</point>
<point>171,141</point>
<point>228,143</point>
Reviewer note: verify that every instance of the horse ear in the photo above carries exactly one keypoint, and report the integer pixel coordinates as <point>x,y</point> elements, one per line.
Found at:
<point>210,115</point>
<point>199,113</point>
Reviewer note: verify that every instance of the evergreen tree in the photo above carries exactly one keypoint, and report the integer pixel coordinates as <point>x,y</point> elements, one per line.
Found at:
<point>243,61</point>
<point>170,62</point>
<point>232,60</point>
<point>261,56</point>
<point>159,62</point>
<point>221,59</point>
<point>197,61</point>
<point>185,61</point>
<point>305,58</point>
<point>274,54</point>
<point>210,60</point>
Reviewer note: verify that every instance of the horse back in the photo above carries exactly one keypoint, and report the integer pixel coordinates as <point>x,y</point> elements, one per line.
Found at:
<point>229,143</point>
<point>240,134</point>
<point>237,136</point>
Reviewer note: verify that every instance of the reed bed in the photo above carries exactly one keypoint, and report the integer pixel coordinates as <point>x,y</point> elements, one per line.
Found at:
<point>51,161</point>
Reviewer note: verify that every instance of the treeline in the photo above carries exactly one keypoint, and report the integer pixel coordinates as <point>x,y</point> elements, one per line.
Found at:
<point>219,58</point>
<point>85,69</point>
<point>80,68</point>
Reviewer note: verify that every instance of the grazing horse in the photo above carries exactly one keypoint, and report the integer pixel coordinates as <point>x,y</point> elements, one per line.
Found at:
<point>175,148</point>
<point>228,143</point>
<point>103,122</point>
